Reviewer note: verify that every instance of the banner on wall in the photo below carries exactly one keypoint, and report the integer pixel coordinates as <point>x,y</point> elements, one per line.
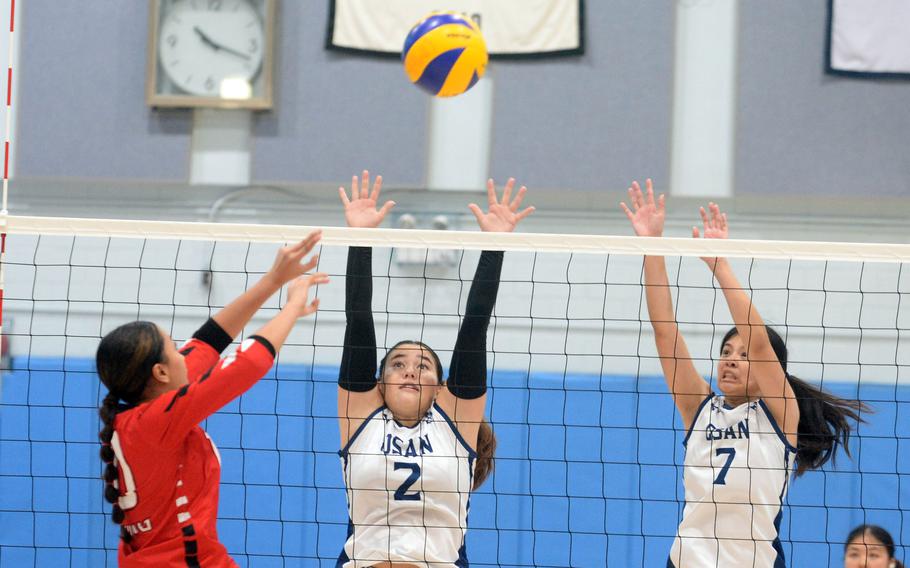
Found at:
<point>869,38</point>
<point>511,28</point>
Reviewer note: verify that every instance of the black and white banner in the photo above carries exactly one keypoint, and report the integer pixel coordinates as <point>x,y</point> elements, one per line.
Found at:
<point>511,28</point>
<point>869,38</point>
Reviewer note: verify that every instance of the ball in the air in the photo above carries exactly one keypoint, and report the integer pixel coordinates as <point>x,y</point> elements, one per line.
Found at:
<point>444,54</point>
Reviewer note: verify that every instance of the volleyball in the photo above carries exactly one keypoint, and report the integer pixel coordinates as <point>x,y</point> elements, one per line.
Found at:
<point>445,54</point>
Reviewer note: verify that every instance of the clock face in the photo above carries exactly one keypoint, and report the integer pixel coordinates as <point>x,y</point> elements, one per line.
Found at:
<point>212,48</point>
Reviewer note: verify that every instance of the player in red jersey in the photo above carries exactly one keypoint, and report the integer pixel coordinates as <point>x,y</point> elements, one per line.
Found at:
<point>163,470</point>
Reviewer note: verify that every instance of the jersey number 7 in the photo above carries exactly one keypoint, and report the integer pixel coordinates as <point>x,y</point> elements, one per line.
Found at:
<point>722,476</point>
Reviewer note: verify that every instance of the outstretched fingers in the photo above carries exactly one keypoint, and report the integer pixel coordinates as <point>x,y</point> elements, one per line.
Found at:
<point>343,194</point>
<point>525,213</point>
<point>516,203</point>
<point>387,206</point>
<point>507,192</point>
<point>365,184</point>
<point>377,187</point>
<point>705,221</point>
<point>477,211</point>
<point>308,282</point>
<point>297,251</point>
<point>627,211</point>
<point>310,264</point>
<point>491,192</point>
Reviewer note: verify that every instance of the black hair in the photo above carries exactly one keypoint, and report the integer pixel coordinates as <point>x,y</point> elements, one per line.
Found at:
<point>124,362</point>
<point>879,534</point>
<point>825,420</point>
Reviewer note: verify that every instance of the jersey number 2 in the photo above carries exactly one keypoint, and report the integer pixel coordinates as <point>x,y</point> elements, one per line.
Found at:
<point>401,493</point>
<point>722,476</point>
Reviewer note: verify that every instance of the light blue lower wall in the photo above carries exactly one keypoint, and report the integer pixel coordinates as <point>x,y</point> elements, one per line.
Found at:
<point>588,473</point>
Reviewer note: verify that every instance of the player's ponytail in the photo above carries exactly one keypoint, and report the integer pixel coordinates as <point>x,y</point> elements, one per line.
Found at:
<point>825,423</point>
<point>486,449</point>
<point>825,420</point>
<point>124,361</point>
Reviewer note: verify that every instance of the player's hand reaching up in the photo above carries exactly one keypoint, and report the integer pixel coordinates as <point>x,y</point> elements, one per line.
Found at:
<point>715,227</point>
<point>504,215</point>
<point>288,265</point>
<point>715,224</point>
<point>298,293</point>
<point>646,215</point>
<point>360,210</point>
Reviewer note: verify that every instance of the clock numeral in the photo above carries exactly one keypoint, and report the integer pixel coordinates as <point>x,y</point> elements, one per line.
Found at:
<point>210,84</point>
<point>214,5</point>
<point>172,40</point>
<point>254,46</point>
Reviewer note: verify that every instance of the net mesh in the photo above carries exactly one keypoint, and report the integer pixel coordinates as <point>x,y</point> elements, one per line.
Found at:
<point>589,463</point>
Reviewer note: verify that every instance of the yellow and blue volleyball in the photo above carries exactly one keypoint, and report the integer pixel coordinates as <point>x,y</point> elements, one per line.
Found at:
<point>444,54</point>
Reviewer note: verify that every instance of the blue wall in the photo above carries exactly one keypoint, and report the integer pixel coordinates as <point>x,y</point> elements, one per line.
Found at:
<point>588,473</point>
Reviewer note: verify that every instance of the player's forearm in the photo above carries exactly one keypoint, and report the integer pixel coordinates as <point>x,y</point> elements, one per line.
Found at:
<point>358,286</point>
<point>276,331</point>
<point>740,304</point>
<point>468,371</point>
<point>660,302</point>
<point>748,321</point>
<point>357,372</point>
<point>234,317</point>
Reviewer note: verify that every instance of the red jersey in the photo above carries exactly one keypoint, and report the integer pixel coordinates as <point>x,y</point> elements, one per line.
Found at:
<point>169,469</point>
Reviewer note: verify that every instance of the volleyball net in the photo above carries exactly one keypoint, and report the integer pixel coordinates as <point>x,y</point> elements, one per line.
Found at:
<point>589,463</point>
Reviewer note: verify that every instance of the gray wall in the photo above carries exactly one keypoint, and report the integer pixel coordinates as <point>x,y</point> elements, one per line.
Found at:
<point>81,99</point>
<point>576,123</point>
<point>802,131</point>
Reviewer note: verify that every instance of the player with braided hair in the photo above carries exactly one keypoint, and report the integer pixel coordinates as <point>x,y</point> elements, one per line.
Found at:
<point>163,470</point>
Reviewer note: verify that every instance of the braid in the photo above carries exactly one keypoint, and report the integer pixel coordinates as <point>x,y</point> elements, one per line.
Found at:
<point>124,362</point>
<point>108,412</point>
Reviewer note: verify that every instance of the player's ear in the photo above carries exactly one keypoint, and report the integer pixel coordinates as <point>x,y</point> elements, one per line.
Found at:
<point>160,374</point>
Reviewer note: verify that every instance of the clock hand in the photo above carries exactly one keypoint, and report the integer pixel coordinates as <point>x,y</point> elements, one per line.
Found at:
<point>205,39</point>
<point>233,52</point>
<point>216,46</point>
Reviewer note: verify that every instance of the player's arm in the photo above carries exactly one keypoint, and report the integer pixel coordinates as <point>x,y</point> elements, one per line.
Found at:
<point>687,387</point>
<point>170,417</point>
<point>358,392</point>
<point>764,367</point>
<point>210,340</point>
<point>464,398</point>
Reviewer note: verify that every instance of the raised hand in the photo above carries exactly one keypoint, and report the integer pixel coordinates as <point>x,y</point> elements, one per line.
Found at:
<point>646,215</point>
<point>298,293</point>
<point>715,227</point>
<point>360,210</point>
<point>715,224</point>
<point>504,215</point>
<point>288,266</point>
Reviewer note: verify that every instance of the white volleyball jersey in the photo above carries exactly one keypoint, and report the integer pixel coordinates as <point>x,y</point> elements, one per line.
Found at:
<point>737,467</point>
<point>408,491</point>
